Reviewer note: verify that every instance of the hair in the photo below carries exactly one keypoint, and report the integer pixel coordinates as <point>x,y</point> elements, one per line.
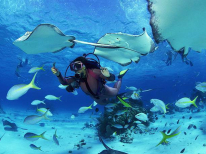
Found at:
<point>87,63</point>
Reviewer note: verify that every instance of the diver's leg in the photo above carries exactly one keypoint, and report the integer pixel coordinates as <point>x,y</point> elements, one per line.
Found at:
<point>118,84</point>
<point>109,91</point>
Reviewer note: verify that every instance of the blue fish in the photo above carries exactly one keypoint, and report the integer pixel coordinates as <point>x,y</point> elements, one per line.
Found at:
<point>55,138</point>
<point>35,147</point>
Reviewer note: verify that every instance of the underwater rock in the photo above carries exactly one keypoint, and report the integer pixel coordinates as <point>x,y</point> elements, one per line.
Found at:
<point>80,144</point>
<point>88,125</point>
<point>70,151</point>
<point>126,138</point>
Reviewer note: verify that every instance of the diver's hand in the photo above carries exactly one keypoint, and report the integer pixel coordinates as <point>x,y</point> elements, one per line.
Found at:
<point>105,72</point>
<point>55,71</point>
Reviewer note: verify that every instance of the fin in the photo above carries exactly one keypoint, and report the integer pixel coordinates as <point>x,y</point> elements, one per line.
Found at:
<point>174,133</point>
<point>42,68</point>
<point>40,148</point>
<point>90,107</point>
<point>56,133</point>
<point>32,84</point>
<point>194,102</point>
<point>167,106</point>
<point>45,115</point>
<point>123,102</point>
<point>163,139</point>
<point>122,73</point>
<point>42,136</point>
<point>59,98</point>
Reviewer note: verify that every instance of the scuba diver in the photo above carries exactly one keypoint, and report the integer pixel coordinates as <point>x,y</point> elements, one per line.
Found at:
<point>91,77</point>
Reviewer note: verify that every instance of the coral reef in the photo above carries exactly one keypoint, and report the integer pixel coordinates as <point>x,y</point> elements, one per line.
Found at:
<point>123,124</point>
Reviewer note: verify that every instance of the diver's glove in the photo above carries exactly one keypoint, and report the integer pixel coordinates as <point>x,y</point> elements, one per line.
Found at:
<point>105,72</point>
<point>55,71</point>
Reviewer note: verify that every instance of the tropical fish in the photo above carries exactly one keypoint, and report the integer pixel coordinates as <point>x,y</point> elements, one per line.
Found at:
<point>37,102</point>
<point>120,112</point>
<point>137,122</point>
<point>135,95</point>
<point>109,69</point>
<point>55,138</point>
<point>131,128</point>
<point>33,119</point>
<point>201,87</point>
<point>123,102</point>
<point>43,110</point>
<point>131,88</point>
<point>63,86</point>
<point>165,136</point>
<point>142,117</point>
<point>185,102</point>
<point>125,98</point>
<point>141,126</point>
<point>33,137</point>
<point>117,126</point>
<point>109,110</point>
<point>35,147</point>
<point>84,109</point>
<point>19,90</point>
<point>126,126</point>
<point>159,104</point>
<point>52,97</point>
<point>114,134</point>
<point>36,69</point>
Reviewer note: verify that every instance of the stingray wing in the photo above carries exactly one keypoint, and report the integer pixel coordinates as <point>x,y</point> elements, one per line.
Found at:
<point>44,38</point>
<point>180,22</point>
<point>124,48</point>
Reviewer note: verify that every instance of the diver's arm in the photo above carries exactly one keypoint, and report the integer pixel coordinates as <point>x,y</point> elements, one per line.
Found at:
<point>110,78</point>
<point>64,81</point>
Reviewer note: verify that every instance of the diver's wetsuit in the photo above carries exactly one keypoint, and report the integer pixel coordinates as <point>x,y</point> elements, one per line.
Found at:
<point>93,75</point>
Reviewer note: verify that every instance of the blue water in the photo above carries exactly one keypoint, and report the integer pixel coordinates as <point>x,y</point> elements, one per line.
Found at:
<point>88,20</point>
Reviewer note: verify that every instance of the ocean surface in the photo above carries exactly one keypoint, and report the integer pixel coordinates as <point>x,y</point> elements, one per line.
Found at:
<point>89,20</point>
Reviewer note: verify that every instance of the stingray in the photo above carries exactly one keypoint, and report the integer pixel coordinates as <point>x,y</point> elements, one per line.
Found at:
<point>180,22</point>
<point>109,150</point>
<point>119,47</point>
<point>9,126</point>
